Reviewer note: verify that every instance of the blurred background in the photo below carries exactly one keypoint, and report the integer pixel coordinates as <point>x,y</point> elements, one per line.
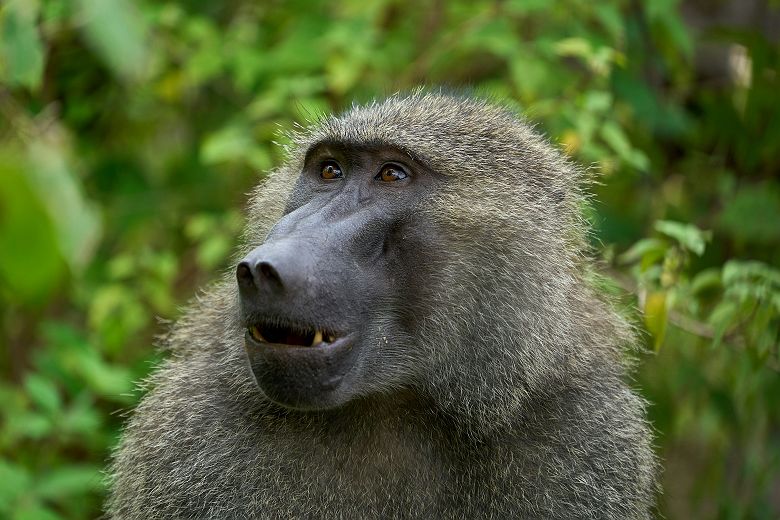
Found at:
<point>132,130</point>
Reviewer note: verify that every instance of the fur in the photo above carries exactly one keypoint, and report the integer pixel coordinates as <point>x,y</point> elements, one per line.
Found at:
<point>508,401</point>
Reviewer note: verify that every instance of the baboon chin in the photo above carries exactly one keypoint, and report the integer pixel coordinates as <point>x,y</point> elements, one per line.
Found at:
<point>408,332</point>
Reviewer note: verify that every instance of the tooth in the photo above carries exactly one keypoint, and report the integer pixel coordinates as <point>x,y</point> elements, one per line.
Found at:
<point>317,338</point>
<point>331,338</point>
<point>255,332</point>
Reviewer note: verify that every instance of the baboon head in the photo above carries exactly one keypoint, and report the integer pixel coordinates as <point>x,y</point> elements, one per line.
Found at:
<point>328,296</point>
<point>427,243</point>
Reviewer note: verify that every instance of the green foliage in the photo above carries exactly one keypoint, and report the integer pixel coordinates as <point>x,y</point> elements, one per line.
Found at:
<point>21,48</point>
<point>130,133</point>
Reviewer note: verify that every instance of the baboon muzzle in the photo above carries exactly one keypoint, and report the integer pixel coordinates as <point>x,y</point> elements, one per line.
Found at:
<point>298,299</point>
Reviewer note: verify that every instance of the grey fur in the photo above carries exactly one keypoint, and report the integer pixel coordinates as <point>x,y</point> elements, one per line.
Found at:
<point>510,402</point>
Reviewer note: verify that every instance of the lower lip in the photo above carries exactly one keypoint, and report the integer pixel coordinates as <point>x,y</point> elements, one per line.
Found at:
<point>304,378</point>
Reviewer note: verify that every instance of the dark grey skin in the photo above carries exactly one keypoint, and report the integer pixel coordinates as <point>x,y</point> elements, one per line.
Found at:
<point>347,248</point>
<point>463,368</point>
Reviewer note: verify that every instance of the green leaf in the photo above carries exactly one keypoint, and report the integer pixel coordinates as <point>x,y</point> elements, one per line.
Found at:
<point>527,6</point>
<point>21,49</point>
<point>29,425</point>
<point>579,47</point>
<point>735,271</point>
<point>26,232</point>
<point>598,101</point>
<point>214,251</point>
<point>656,316</point>
<point>117,32</point>
<point>43,393</point>
<point>689,236</point>
<point>81,419</point>
<point>110,381</point>
<point>752,215</point>
<point>116,312</point>
<point>707,279</point>
<point>616,138</point>
<point>528,73</point>
<point>14,482</point>
<point>610,16</point>
<point>33,510</point>
<point>227,144</point>
<point>68,481</point>
<point>723,317</point>
<point>122,267</point>
<point>648,250</point>
<point>59,190</point>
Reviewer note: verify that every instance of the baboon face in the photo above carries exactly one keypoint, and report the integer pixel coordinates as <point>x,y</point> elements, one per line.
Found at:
<point>329,299</point>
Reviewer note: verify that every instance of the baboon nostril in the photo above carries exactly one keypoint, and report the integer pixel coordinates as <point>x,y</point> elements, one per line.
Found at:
<point>263,273</point>
<point>244,273</point>
<point>268,272</point>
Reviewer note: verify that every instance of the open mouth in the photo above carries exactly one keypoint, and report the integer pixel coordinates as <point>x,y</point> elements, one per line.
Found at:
<point>301,366</point>
<point>294,336</point>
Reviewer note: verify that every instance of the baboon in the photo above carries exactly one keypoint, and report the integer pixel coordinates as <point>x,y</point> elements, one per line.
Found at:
<point>410,332</point>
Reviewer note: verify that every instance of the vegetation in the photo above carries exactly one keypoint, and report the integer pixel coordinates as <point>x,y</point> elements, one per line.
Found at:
<point>130,132</point>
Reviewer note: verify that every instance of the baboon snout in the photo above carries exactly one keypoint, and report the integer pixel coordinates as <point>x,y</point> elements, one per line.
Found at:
<point>272,268</point>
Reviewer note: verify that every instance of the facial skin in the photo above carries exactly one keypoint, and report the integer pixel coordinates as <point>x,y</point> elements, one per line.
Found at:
<point>333,285</point>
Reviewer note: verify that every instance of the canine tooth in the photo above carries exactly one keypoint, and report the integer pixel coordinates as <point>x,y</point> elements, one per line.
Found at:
<point>255,332</point>
<point>317,338</point>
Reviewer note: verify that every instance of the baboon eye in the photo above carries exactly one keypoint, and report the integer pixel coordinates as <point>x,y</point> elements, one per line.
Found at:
<point>330,170</point>
<point>390,173</point>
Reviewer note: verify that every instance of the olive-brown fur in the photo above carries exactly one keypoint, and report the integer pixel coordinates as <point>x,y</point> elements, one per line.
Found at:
<point>507,401</point>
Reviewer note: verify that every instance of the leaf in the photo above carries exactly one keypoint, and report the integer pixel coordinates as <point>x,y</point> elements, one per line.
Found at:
<point>68,481</point>
<point>227,144</point>
<point>723,317</point>
<point>122,267</point>
<point>21,49</point>
<point>59,190</point>
<point>616,138</point>
<point>213,251</point>
<point>342,73</point>
<point>527,6</point>
<point>34,511</point>
<point>689,236</point>
<point>26,232</point>
<point>14,482</point>
<point>106,380</point>
<point>611,18</point>
<point>647,249</point>
<point>656,316</point>
<point>29,425</point>
<point>598,101</point>
<point>81,419</point>
<point>678,34</point>
<point>707,279</point>
<point>752,215</point>
<point>579,47</point>
<point>528,73</point>
<point>735,271</point>
<point>230,143</point>
<point>43,393</point>
<point>116,313</point>
<point>116,31</point>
